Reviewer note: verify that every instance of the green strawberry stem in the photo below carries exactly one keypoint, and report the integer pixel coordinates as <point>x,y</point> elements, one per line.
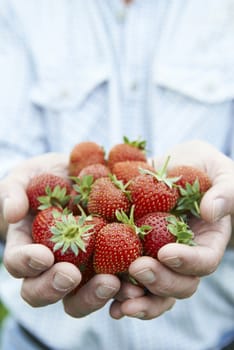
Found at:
<point>83,187</point>
<point>161,174</point>
<point>180,229</point>
<point>140,144</point>
<point>190,198</point>
<point>70,233</point>
<point>54,198</point>
<point>129,220</point>
<point>120,185</point>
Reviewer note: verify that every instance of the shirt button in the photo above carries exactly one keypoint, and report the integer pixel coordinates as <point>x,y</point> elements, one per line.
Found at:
<point>133,86</point>
<point>121,15</point>
<point>211,85</point>
<point>64,94</point>
<point>210,88</point>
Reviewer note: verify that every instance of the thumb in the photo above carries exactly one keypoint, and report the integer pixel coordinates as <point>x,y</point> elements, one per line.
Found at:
<point>218,201</point>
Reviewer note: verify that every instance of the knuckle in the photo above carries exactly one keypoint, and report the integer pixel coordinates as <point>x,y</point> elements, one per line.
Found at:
<point>11,268</point>
<point>36,296</point>
<point>190,290</point>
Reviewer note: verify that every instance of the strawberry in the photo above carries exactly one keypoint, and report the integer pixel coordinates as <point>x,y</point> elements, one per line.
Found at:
<point>82,187</point>
<point>108,195</point>
<point>95,170</point>
<point>189,174</point>
<point>98,222</point>
<point>192,184</point>
<point>45,190</point>
<point>84,154</point>
<point>70,238</point>
<point>160,229</point>
<point>153,191</point>
<point>149,195</point>
<point>87,268</point>
<point>117,246</point>
<point>87,272</point>
<point>127,170</point>
<point>128,150</point>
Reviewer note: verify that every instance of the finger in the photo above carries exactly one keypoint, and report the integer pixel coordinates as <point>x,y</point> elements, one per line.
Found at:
<point>203,258</point>
<point>14,202</point>
<point>162,281</point>
<point>92,296</point>
<point>50,286</point>
<point>145,307</point>
<point>129,291</point>
<point>194,153</point>
<point>22,258</point>
<point>28,261</point>
<point>218,201</point>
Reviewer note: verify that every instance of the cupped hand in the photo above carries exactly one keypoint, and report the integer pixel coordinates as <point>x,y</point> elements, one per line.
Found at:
<point>43,281</point>
<point>177,272</point>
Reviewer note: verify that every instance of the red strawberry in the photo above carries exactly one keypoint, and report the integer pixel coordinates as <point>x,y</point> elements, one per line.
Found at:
<point>95,170</point>
<point>153,191</point>
<point>108,195</point>
<point>84,154</point>
<point>98,222</point>
<point>128,150</point>
<point>149,195</point>
<point>127,170</point>
<point>82,187</point>
<point>189,174</point>
<point>161,229</point>
<point>192,183</point>
<point>117,246</point>
<point>87,269</point>
<point>87,272</point>
<point>45,190</point>
<point>70,238</point>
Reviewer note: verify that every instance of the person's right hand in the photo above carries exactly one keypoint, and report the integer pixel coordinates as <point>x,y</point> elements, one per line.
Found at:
<point>43,281</point>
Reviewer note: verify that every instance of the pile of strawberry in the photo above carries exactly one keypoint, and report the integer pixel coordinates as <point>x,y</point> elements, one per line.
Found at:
<point>112,209</point>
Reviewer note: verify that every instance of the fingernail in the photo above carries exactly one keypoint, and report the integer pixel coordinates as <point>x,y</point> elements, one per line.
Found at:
<point>145,276</point>
<point>36,264</point>
<point>218,209</point>
<point>104,292</point>
<point>173,261</point>
<point>140,315</point>
<point>62,282</point>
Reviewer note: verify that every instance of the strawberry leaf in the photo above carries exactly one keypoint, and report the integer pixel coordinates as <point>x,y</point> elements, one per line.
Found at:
<point>83,187</point>
<point>68,233</point>
<point>129,220</point>
<point>120,185</point>
<point>161,174</point>
<point>180,229</point>
<point>57,197</point>
<point>189,201</point>
<point>137,143</point>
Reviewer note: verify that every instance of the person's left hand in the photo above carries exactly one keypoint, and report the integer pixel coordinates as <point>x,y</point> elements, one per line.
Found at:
<point>177,271</point>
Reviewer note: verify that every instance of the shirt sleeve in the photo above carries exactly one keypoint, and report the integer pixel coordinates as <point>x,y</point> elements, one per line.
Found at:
<point>21,123</point>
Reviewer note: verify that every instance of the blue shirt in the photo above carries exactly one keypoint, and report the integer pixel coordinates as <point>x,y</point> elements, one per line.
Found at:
<point>85,70</point>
